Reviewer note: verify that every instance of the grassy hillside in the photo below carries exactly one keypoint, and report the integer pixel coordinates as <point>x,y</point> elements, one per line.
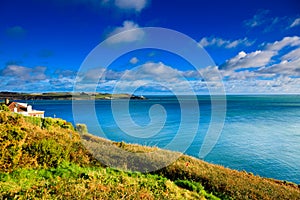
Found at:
<point>222,182</point>
<point>45,159</point>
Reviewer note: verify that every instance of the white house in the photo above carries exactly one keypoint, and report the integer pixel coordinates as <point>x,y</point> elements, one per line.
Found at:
<point>24,109</point>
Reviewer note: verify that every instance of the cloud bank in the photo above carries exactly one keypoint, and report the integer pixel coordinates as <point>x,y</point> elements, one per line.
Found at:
<point>275,68</point>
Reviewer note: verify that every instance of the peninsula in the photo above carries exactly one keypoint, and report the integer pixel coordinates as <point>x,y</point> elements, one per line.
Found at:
<point>66,96</point>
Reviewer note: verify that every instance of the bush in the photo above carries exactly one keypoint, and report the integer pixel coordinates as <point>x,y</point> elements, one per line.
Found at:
<point>3,117</point>
<point>11,138</point>
<point>68,125</point>
<point>4,107</point>
<point>48,152</point>
<point>81,128</point>
<point>37,142</point>
<point>47,123</point>
<point>37,121</point>
<point>51,123</point>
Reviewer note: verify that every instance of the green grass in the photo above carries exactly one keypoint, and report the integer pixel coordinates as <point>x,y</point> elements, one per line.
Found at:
<point>46,159</point>
<point>70,181</point>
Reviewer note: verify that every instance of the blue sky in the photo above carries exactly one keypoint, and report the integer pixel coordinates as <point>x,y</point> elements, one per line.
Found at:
<point>255,44</point>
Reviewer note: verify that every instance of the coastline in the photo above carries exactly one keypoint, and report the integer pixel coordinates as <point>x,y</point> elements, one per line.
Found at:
<point>248,118</point>
<point>69,164</point>
<point>67,96</point>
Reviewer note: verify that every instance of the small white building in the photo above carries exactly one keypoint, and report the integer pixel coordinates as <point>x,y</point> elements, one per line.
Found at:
<point>24,109</point>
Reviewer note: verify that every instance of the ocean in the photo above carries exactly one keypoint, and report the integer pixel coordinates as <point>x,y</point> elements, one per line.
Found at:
<point>260,133</point>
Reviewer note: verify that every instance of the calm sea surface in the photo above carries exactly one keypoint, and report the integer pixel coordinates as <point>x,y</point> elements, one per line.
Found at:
<point>261,134</point>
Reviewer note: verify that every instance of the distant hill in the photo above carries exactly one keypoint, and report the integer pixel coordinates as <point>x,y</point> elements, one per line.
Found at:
<point>66,96</point>
<point>45,158</point>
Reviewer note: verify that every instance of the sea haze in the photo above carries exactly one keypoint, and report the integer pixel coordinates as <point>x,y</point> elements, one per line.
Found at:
<point>261,134</point>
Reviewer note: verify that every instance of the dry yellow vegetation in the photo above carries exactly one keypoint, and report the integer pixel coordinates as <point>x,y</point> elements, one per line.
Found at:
<point>46,159</point>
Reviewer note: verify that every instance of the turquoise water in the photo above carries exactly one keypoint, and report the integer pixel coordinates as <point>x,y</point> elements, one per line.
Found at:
<point>261,134</point>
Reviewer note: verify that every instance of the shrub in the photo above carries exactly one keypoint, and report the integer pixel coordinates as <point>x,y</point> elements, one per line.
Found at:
<point>4,107</point>
<point>68,125</point>
<point>38,142</point>
<point>37,121</point>
<point>47,123</point>
<point>81,128</point>
<point>48,152</point>
<point>3,117</point>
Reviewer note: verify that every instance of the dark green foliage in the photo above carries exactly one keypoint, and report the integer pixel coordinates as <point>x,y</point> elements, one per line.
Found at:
<point>3,107</point>
<point>47,123</point>
<point>13,133</point>
<point>68,125</point>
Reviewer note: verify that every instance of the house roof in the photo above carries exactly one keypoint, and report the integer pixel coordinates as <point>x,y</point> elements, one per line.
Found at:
<point>23,107</point>
<point>20,107</point>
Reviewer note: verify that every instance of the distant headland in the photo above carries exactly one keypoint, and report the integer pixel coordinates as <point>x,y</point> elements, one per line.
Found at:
<point>66,96</point>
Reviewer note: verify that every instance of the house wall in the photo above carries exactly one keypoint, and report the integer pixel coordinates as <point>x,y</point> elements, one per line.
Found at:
<point>29,108</point>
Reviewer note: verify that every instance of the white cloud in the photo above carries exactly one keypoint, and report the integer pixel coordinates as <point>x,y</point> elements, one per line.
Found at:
<point>98,74</point>
<point>211,42</point>
<point>210,73</point>
<point>157,72</point>
<point>284,68</point>
<point>286,41</point>
<point>92,75</point>
<point>261,58</point>
<point>258,19</point>
<point>127,25</point>
<point>292,55</point>
<point>192,74</point>
<point>25,74</point>
<point>127,5</point>
<point>296,22</point>
<point>280,85</point>
<point>37,79</point>
<point>274,69</point>
<point>219,42</point>
<point>243,60</point>
<point>235,43</point>
<point>130,33</point>
<point>136,5</point>
<point>26,79</point>
<point>134,60</point>
<point>152,77</point>
<point>269,23</point>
